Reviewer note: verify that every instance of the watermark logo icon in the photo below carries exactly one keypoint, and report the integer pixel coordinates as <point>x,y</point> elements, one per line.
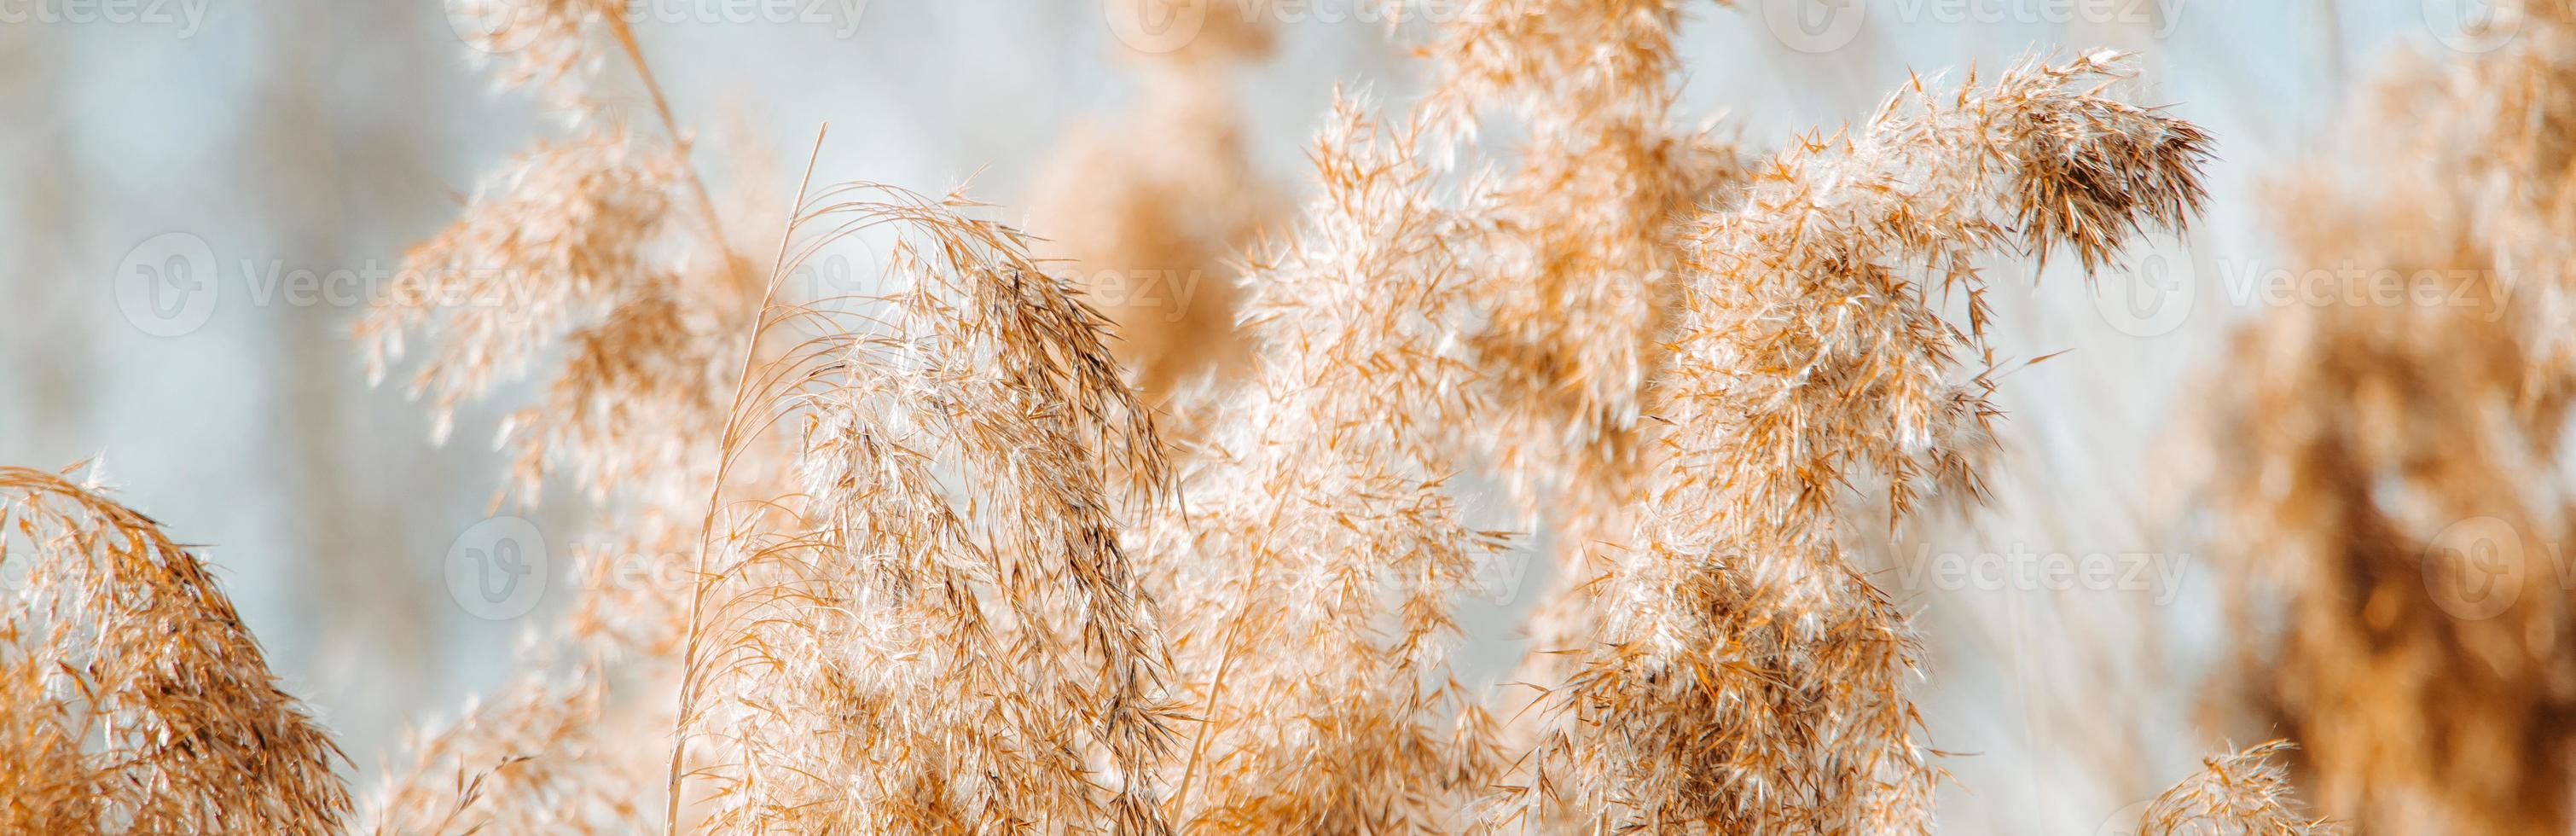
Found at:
<point>2153,295</point>
<point>1155,26</point>
<point>2475,568</point>
<point>166,285</point>
<point>2473,25</point>
<point>2126,821</point>
<point>1814,26</point>
<point>497,570</point>
<point>492,26</point>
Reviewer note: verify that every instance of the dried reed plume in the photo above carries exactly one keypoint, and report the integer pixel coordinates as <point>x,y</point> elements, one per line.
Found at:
<point>1582,270</point>
<point>1313,561</point>
<point>1581,276</point>
<point>1748,676</point>
<point>2241,793</point>
<point>938,629</point>
<point>136,700</point>
<point>604,254</point>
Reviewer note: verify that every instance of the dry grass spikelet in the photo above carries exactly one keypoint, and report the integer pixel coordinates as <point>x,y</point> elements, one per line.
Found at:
<point>938,630</point>
<point>1748,676</point>
<point>2241,793</point>
<point>137,702</point>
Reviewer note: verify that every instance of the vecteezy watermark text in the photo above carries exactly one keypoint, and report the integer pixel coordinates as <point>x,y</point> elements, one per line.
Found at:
<point>1819,26</point>
<point>183,17</point>
<point>172,283</point>
<point>499,26</point>
<point>2020,568</point>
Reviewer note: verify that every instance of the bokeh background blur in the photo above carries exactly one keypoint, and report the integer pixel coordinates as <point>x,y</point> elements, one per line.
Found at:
<point>195,194</point>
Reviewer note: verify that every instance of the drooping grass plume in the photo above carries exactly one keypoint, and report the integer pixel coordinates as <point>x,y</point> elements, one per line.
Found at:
<point>136,700</point>
<point>937,629</point>
<point>1748,677</point>
<point>2241,793</point>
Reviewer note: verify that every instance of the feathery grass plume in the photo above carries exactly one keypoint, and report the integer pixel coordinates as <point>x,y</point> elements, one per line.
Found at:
<point>1583,273</point>
<point>2241,793</point>
<point>577,244</point>
<point>560,257</point>
<point>1748,677</point>
<point>549,242</point>
<point>138,703</point>
<point>938,630</point>
<point>1588,257</point>
<point>576,254</point>
<point>1315,554</point>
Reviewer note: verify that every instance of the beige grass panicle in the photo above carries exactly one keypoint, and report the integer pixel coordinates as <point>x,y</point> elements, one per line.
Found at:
<point>1581,276</point>
<point>938,630</point>
<point>137,701</point>
<point>1748,676</point>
